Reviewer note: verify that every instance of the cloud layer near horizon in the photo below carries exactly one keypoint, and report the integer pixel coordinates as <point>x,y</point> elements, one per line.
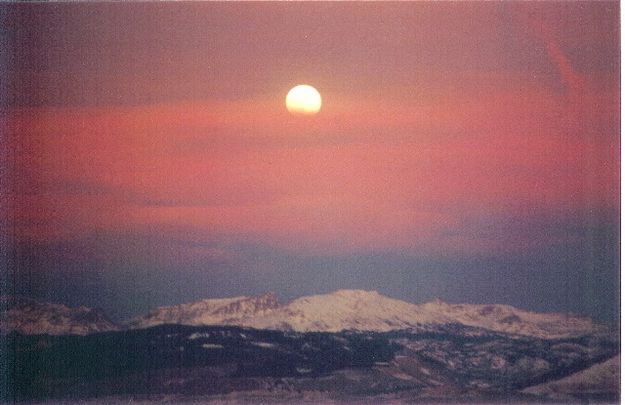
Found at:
<point>368,177</point>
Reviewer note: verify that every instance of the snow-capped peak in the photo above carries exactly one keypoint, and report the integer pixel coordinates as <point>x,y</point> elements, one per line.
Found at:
<point>506,318</point>
<point>362,310</point>
<point>219,311</point>
<point>346,309</point>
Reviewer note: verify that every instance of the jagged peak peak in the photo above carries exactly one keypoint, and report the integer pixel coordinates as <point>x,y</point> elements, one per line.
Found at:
<point>268,296</point>
<point>268,299</point>
<point>30,316</point>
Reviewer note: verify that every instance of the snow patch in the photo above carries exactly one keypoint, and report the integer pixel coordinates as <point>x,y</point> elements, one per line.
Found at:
<point>212,346</point>
<point>264,344</point>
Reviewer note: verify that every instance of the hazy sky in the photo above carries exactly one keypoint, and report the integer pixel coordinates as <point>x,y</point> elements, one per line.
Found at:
<point>468,151</point>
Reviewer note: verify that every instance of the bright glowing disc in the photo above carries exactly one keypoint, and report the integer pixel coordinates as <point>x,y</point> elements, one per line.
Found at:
<point>303,100</point>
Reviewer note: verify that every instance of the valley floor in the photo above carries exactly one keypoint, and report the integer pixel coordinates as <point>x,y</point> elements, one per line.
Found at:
<point>232,365</point>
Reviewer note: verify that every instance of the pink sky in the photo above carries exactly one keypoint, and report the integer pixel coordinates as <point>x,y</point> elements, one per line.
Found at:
<point>460,130</point>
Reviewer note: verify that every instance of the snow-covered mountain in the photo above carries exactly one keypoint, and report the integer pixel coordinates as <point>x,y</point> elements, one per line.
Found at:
<point>31,317</point>
<point>224,311</point>
<point>346,310</point>
<point>508,319</point>
<point>363,311</point>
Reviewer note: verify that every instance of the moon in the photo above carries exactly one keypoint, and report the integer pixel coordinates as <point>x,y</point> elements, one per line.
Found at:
<point>303,100</point>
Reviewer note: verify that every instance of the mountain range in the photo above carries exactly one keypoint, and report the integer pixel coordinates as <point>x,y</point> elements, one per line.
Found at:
<point>353,346</point>
<point>30,317</point>
<point>342,310</point>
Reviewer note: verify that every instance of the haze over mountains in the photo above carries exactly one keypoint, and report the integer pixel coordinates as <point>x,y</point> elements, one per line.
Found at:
<point>355,310</point>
